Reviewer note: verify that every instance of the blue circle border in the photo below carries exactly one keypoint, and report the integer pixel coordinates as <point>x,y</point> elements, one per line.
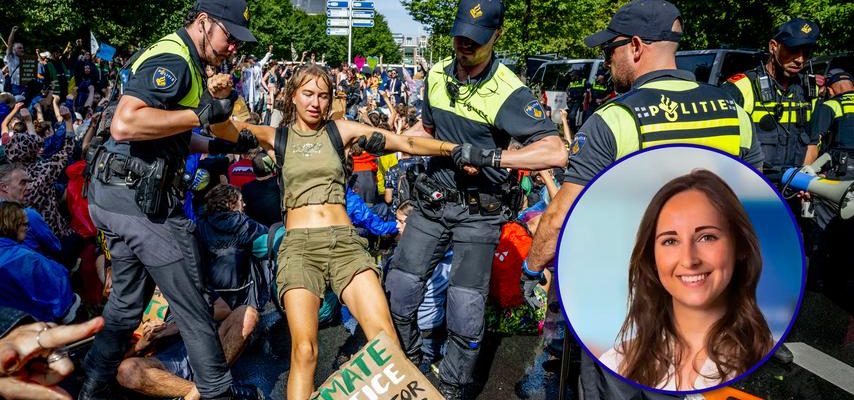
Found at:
<point>782,337</point>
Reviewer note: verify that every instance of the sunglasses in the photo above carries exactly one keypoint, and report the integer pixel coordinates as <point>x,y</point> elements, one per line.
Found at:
<point>232,41</point>
<point>608,48</point>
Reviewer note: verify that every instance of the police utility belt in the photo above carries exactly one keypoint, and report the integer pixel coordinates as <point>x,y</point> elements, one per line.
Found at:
<point>152,181</point>
<point>431,195</point>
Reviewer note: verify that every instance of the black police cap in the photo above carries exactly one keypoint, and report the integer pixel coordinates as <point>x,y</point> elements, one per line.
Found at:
<point>234,14</point>
<point>647,19</point>
<point>836,75</point>
<point>478,19</point>
<point>797,32</point>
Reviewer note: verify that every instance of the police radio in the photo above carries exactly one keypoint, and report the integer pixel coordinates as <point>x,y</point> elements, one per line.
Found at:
<point>766,87</point>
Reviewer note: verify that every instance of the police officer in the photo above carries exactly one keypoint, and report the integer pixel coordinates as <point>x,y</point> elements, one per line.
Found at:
<point>777,97</point>
<point>476,101</point>
<point>576,94</point>
<point>660,105</point>
<point>833,124</point>
<point>135,197</point>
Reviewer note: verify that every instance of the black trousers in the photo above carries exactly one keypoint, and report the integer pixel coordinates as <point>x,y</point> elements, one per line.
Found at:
<point>146,253</point>
<point>424,243</point>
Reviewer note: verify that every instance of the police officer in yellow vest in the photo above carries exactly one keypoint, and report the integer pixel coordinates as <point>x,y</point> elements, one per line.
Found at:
<point>659,105</point>
<point>833,124</point>
<point>476,101</point>
<point>777,97</point>
<point>135,198</point>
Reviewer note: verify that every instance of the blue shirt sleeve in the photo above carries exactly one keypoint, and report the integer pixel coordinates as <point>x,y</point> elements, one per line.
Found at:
<point>40,237</point>
<point>363,217</point>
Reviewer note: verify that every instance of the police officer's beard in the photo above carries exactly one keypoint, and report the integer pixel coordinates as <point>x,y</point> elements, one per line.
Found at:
<point>621,78</point>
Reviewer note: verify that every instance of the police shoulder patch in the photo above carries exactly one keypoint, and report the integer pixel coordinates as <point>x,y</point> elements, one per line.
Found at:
<point>577,144</point>
<point>163,78</point>
<point>737,77</point>
<point>534,110</point>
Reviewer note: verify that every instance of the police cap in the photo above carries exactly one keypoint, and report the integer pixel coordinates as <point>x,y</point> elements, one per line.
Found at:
<point>234,14</point>
<point>837,75</point>
<point>646,19</point>
<point>478,19</point>
<point>797,32</point>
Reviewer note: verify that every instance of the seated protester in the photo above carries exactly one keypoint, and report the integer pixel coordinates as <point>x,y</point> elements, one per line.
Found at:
<point>167,373</point>
<point>13,187</point>
<point>29,281</point>
<point>240,172</point>
<point>363,217</point>
<point>263,197</point>
<point>225,238</point>
<point>397,175</point>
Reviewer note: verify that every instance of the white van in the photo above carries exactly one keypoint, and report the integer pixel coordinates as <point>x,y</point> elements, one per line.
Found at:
<point>553,77</point>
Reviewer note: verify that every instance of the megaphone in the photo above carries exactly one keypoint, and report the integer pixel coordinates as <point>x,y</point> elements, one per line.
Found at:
<point>839,193</point>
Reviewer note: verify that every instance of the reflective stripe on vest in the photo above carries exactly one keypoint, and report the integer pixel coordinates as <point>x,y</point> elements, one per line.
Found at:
<point>843,124</point>
<point>173,44</point>
<point>480,107</point>
<point>678,111</point>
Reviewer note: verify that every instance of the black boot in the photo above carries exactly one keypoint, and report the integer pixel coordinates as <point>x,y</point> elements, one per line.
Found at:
<point>784,355</point>
<point>451,392</point>
<point>96,390</point>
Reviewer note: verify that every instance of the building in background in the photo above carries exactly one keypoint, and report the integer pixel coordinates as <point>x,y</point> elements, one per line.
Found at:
<point>412,48</point>
<point>311,7</point>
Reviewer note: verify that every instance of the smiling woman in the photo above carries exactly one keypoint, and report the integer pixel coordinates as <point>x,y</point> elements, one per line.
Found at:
<point>693,320</point>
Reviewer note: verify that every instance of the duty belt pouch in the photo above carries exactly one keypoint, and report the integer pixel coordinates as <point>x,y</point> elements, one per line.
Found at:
<point>151,186</point>
<point>490,204</point>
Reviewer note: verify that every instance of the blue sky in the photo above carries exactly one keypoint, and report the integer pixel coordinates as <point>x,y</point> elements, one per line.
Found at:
<point>399,20</point>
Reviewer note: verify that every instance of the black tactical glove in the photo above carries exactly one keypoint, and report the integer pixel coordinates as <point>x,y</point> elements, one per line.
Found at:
<point>467,154</point>
<point>214,111</point>
<point>375,145</point>
<point>529,282</point>
<point>246,141</point>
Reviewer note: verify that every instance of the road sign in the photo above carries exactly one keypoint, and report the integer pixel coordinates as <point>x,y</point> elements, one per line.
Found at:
<point>337,4</point>
<point>337,13</point>
<point>336,22</point>
<point>364,5</point>
<point>337,31</point>
<point>363,23</point>
<point>366,14</point>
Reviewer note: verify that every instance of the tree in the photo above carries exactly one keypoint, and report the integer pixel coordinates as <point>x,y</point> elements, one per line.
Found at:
<point>376,41</point>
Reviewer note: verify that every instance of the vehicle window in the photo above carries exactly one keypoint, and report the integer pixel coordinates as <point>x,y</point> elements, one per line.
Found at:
<point>737,62</point>
<point>537,78</point>
<point>553,75</point>
<point>699,64</point>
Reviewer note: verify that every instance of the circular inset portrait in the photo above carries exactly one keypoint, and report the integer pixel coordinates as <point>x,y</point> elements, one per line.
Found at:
<point>680,269</point>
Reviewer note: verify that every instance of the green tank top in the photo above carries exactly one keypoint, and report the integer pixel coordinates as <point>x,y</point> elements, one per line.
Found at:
<point>312,172</point>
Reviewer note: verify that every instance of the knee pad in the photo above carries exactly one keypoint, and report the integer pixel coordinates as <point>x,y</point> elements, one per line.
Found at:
<point>405,292</point>
<point>466,309</point>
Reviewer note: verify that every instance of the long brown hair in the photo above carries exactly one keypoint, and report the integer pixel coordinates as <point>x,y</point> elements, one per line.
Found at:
<point>12,216</point>
<point>648,339</point>
<point>303,75</point>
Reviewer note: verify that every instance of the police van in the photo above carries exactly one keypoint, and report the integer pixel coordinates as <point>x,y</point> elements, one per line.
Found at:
<point>715,66</point>
<point>552,78</point>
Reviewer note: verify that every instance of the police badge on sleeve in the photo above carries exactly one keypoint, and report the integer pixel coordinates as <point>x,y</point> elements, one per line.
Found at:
<point>535,110</point>
<point>163,78</point>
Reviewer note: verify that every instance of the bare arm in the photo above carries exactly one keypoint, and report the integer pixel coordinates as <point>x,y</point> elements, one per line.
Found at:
<point>55,104</point>
<point>419,130</point>
<point>812,154</point>
<point>11,40</point>
<point>90,131</point>
<point>11,115</point>
<point>548,152</point>
<point>545,239</point>
<point>230,130</point>
<point>134,120</point>
<point>350,131</point>
<point>549,179</point>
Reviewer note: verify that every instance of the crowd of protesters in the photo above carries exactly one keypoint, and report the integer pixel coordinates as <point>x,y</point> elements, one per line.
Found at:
<point>56,267</point>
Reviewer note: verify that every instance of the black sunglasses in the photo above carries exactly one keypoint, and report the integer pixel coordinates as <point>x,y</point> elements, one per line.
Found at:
<point>233,41</point>
<point>608,48</point>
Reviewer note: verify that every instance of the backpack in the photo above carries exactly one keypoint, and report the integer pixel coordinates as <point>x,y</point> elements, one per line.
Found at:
<point>513,246</point>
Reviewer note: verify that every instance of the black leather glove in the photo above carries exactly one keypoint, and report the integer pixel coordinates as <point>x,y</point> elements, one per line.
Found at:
<point>529,282</point>
<point>246,141</point>
<point>375,145</point>
<point>467,154</point>
<point>214,111</point>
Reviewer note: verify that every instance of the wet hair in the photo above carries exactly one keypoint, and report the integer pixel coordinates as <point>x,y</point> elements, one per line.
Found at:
<point>222,198</point>
<point>405,208</point>
<point>12,216</point>
<point>303,75</point>
<point>648,337</point>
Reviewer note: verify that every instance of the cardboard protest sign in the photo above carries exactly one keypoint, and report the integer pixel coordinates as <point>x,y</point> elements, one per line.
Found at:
<point>156,310</point>
<point>241,110</point>
<point>379,370</point>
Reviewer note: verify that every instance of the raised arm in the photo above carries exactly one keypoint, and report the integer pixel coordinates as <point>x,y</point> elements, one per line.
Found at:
<point>11,41</point>
<point>420,146</point>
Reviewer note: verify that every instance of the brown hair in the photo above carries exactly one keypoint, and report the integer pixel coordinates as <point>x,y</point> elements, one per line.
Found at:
<point>12,216</point>
<point>303,75</point>
<point>222,198</point>
<point>736,342</point>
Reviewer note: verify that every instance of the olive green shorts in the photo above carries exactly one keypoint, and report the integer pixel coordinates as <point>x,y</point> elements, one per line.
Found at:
<point>311,258</point>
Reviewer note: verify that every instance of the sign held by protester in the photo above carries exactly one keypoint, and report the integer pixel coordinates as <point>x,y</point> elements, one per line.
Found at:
<point>156,310</point>
<point>379,370</point>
